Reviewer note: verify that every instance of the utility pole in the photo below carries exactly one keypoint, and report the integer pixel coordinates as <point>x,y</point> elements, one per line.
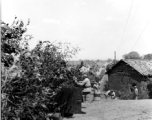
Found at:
<point>115,56</point>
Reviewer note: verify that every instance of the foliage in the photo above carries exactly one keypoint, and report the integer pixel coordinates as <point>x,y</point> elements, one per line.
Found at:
<point>148,56</point>
<point>109,60</point>
<point>121,93</point>
<point>132,55</point>
<point>11,37</point>
<point>135,55</point>
<point>41,73</point>
<point>124,95</point>
<point>106,86</point>
<point>149,87</point>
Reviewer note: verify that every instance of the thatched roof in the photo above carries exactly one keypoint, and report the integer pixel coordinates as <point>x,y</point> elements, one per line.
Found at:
<point>144,67</point>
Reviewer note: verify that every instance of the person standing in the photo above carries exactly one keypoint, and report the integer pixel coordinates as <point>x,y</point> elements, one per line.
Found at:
<point>96,92</point>
<point>136,92</point>
<point>86,84</point>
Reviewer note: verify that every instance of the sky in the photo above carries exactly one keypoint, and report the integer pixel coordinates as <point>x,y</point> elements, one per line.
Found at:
<point>98,27</point>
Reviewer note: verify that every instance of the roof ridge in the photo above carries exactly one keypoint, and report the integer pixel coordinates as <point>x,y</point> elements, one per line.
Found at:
<point>140,65</point>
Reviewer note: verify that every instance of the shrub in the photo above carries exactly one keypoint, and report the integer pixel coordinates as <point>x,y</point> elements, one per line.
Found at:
<point>106,86</point>
<point>41,73</point>
<point>125,95</point>
<point>149,87</point>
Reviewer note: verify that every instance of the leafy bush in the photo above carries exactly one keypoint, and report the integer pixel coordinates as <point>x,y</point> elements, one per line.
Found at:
<point>30,84</point>
<point>149,87</point>
<point>106,86</point>
<point>125,95</point>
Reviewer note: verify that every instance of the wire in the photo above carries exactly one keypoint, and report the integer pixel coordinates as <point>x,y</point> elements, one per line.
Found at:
<point>133,18</point>
<point>126,25</point>
<point>140,35</point>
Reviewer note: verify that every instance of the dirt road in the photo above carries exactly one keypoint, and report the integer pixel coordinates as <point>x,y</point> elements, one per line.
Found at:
<point>115,110</point>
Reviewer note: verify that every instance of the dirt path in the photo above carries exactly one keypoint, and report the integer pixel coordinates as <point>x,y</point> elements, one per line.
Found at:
<point>115,110</point>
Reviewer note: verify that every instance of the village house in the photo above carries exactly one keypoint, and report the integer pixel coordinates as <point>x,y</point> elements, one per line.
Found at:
<point>123,75</point>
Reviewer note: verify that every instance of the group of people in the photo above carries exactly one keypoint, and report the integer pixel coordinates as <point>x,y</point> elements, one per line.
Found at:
<point>87,89</point>
<point>86,84</point>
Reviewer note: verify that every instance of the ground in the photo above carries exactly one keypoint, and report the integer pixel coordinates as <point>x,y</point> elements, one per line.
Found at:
<point>115,110</point>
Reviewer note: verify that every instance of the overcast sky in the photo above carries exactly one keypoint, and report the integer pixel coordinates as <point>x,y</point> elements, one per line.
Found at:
<point>99,27</point>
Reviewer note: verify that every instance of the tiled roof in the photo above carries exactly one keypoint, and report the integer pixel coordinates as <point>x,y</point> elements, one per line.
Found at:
<point>142,66</point>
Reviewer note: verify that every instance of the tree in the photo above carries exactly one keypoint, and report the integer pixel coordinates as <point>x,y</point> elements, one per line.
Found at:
<point>11,37</point>
<point>43,72</point>
<point>109,60</point>
<point>132,55</point>
<point>148,56</point>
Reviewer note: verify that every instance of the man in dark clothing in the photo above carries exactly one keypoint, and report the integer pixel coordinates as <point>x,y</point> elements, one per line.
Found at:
<point>70,100</point>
